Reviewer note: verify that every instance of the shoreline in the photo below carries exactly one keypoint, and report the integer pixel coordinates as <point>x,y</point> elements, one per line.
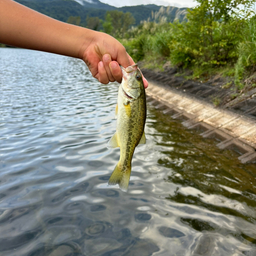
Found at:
<point>232,124</point>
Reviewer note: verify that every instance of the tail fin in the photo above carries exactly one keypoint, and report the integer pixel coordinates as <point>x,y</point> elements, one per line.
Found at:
<point>120,177</point>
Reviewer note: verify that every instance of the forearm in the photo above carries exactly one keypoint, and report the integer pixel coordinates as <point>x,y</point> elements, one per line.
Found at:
<point>25,28</point>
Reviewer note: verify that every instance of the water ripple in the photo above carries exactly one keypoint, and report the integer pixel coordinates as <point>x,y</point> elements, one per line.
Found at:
<point>185,196</point>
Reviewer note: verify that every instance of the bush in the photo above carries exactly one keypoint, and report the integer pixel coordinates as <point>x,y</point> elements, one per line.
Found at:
<point>137,47</point>
<point>211,44</point>
<point>161,44</point>
<point>246,63</point>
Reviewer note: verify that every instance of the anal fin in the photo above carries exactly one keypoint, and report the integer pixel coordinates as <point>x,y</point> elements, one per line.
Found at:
<point>143,139</point>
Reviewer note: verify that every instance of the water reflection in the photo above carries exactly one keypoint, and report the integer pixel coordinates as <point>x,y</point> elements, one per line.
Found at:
<point>186,197</point>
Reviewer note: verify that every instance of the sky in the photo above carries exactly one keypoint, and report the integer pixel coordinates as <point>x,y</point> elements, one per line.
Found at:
<point>177,3</point>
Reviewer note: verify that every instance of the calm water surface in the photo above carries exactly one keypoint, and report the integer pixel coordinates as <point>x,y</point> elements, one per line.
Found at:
<point>186,196</point>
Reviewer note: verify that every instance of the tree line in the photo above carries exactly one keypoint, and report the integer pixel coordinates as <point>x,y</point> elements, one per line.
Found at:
<point>116,22</point>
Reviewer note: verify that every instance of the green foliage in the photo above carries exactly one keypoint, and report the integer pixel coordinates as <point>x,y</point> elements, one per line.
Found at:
<point>162,44</point>
<point>74,20</point>
<point>117,23</point>
<point>210,37</point>
<point>107,24</point>
<point>93,23</point>
<point>182,50</point>
<point>137,48</point>
<point>215,35</point>
<point>246,63</point>
<point>163,37</point>
<point>149,39</point>
<point>216,101</point>
<point>216,10</point>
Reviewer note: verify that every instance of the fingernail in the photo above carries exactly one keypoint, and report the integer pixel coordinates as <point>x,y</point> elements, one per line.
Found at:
<point>100,64</point>
<point>106,58</point>
<point>114,65</point>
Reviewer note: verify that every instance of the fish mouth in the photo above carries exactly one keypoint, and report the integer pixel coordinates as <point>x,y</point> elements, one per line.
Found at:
<point>127,95</point>
<point>132,68</point>
<point>129,69</point>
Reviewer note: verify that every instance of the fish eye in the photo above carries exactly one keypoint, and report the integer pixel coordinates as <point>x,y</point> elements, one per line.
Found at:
<point>138,76</point>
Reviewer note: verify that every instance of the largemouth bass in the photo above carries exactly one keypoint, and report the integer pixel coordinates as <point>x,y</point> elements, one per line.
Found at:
<point>131,117</point>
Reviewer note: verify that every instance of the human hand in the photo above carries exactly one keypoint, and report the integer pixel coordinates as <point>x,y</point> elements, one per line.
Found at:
<point>101,52</point>
<point>104,55</point>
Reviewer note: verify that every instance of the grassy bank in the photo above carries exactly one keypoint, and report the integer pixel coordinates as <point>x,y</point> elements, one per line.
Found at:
<point>212,40</point>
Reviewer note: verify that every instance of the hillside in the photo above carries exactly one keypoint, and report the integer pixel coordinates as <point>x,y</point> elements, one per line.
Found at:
<point>143,12</point>
<point>63,9</point>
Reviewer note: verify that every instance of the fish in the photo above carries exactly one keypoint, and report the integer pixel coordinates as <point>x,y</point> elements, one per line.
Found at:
<point>131,114</point>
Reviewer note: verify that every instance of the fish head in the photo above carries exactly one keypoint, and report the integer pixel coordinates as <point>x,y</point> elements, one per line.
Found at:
<point>132,83</point>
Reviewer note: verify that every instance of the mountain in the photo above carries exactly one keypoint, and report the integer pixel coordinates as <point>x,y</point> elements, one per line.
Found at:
<point>63,9</point>
<point>143,12</point>
<point>82,3</point>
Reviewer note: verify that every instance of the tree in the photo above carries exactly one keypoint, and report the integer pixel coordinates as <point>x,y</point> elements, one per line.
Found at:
<point>212,33</point>
<point>127,21</point>
<point>74,20</point>
<point>93,23</point>
<point>117,22</point>
<point>107,24</point>
<point>223,10</point>
<point>219,10</point>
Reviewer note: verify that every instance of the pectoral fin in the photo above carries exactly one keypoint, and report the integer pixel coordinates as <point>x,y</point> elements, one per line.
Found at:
<point>113,142</point>
<point>127,108</point>
<point>116,113</point>
<point>143,139</point>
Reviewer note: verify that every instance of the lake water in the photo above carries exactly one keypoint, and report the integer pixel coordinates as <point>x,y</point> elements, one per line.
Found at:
<point>186,196</point>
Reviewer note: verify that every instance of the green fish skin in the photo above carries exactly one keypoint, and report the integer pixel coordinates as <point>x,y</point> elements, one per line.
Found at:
<point>131,116</point>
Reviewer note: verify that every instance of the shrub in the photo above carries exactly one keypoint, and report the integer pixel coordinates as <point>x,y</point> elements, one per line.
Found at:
<point>246,63</point>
